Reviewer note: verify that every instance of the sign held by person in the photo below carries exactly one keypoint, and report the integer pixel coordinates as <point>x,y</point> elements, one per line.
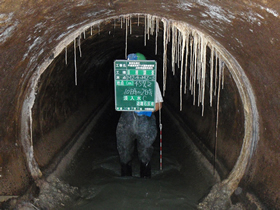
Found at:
<point>135,85</point>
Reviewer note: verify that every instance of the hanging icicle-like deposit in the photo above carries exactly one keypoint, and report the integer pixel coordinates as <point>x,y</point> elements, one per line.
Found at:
<point>188,51</point>
<point>188,48</point>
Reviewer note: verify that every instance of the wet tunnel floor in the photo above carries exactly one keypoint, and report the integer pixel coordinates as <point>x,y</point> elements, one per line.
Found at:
<point>95,170</point>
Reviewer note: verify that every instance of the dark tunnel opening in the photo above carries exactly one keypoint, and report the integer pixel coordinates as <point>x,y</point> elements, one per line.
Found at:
<point>62,108</point>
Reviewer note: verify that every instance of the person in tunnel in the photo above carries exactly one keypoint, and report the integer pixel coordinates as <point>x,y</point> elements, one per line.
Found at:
<point>140,126</point>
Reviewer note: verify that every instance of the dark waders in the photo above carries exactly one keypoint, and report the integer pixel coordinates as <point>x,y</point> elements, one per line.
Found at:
<point>143,129</point>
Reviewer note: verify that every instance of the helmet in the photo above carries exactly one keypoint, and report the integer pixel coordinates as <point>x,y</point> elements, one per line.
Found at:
<point>136,56</point>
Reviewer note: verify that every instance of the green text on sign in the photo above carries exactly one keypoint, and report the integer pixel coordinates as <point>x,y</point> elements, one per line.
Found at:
<point>135,85</point>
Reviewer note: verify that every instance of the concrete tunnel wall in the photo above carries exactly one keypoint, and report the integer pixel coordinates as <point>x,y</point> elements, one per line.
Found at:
<point>30,32</point>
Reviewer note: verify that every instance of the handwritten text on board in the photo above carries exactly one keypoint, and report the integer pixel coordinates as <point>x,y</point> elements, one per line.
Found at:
<point>135,85</point>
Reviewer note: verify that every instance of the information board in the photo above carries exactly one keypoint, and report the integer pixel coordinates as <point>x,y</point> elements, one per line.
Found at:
<point>135,82</point>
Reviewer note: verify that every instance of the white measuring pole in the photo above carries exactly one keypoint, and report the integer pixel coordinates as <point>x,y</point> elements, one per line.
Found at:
<point>160,142</point>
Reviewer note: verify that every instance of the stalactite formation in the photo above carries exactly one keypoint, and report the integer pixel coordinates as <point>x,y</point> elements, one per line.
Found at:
<point>165,43</point>
<point>156,40</point>
<point>79,43</point>
<point>126,26</point>
<point>66,55</point>
<point>75,62</point>
<point>188,51</point>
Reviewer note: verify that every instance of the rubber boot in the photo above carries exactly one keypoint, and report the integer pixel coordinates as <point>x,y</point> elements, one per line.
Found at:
<point>145,170</point>
<point>126,169</point>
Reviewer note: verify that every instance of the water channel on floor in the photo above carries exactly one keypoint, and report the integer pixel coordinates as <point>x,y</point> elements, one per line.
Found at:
<point>95,170</point>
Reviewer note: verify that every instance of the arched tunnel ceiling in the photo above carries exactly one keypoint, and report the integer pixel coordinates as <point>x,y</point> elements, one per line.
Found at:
<point>248,30</point>
<point>98,48</point>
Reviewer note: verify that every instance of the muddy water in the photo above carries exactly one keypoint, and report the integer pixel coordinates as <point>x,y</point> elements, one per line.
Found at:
<point>95,171</point>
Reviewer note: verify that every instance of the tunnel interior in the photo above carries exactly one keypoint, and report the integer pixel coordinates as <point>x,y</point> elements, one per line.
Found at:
<point>51,104</point>
<point>58,97</point>
<point>80,81</point>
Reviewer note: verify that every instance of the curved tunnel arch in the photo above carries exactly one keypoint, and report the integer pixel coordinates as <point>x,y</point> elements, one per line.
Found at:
<point>242,83</point>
